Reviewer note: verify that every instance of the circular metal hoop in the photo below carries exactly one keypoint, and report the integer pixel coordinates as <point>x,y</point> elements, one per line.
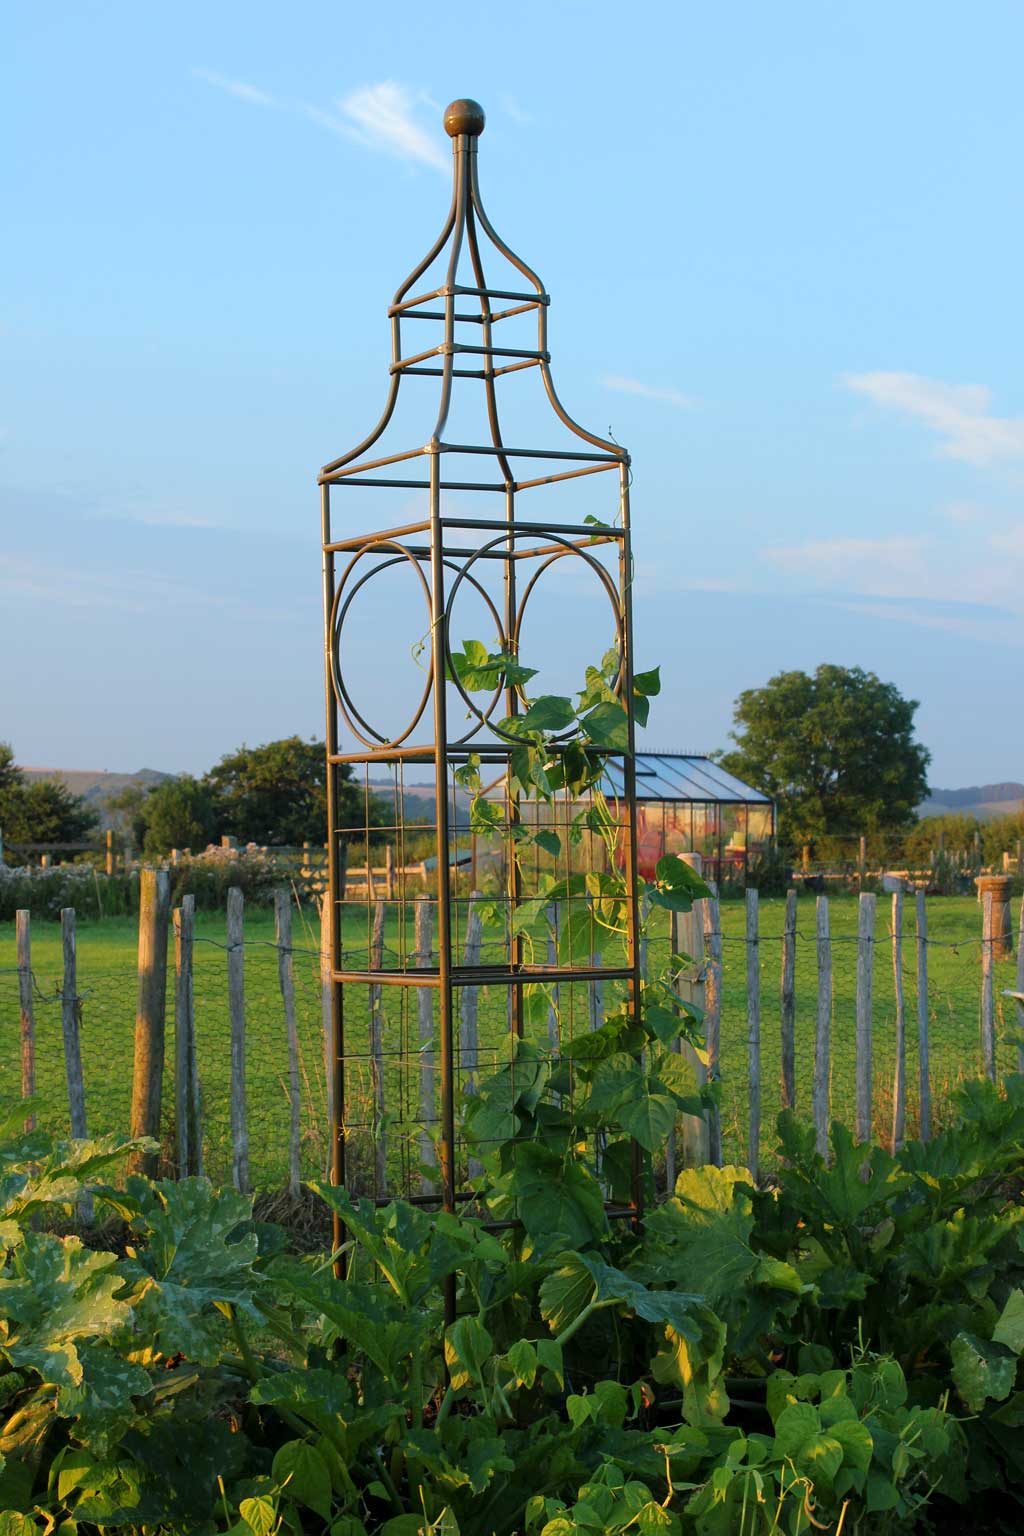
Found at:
<point>339,612</point>
<point>465,574</point>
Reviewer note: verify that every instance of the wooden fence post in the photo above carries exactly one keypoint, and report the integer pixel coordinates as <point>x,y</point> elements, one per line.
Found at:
<point>753,1034</point>
<point>865,979</point>
<point>186,1076</point>
<point>425,1029</point>
<point>595,989</point>
<point>899,1086</point>
<point>713,1015</point>
<point>286,979</point>
<point>380,1145</point>
<point>687,929</point>
<point>923,1064</point>
<point>109,860</point>
<point>988,1011</point>
<point>23,929</point>
<point>236,1010</point>
<point>788,1003</point>
<point>70,1021</point>
<point>1020,973</point>
<point>822,1029</point>
<point>862,862</point>
<point>326,997</point>
<point>150,1014</point>
<point>389,872</point>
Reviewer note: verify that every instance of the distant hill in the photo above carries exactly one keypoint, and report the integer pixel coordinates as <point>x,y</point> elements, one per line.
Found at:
<point>96,786</point>
<point>984,801</point>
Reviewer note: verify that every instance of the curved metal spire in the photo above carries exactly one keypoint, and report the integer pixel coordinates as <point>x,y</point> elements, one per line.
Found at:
<point>466,222</point>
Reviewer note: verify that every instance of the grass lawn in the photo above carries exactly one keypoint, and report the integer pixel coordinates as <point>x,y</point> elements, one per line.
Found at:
<point>107,985</point>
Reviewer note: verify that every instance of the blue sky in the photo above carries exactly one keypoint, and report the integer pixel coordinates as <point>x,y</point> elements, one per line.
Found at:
<point>801,228</point>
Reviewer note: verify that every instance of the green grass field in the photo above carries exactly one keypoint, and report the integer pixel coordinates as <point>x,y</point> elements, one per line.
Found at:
<point>107,986</point>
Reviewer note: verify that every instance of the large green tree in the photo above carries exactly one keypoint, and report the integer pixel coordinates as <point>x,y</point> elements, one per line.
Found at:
<point>836,751</point>
<point>179,813</point>
<point>276,793</point>
<point>43,811</point>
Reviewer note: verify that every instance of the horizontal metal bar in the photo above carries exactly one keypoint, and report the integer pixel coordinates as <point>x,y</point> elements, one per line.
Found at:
<point>531,453</point>
<point>392,458</point>
<point>439,314</point>
<point>496,373</point>
<point>481,975</point>
<point>520,309</point>
<point>500,293</point>
<point>338,546</point>
<point>456,348</point>
<point>421,485</point>
<point>569,474</point>
<point>459,752</point>
<point>549,530</point>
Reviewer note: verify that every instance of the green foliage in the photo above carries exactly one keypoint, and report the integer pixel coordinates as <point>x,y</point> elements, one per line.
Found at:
<point>179,813</point>
<point>43,811</point>
<point>198,1378</point>
<point>836,751</point>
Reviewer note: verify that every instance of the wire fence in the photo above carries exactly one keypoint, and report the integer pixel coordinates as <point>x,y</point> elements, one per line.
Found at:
<point>391,1042</point>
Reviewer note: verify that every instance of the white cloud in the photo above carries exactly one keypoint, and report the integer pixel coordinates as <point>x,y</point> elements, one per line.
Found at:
<point>648,391</point>
<point>384,117</point>
<point>959,413</point>
<point>879,567</point>
<point>238,88</point>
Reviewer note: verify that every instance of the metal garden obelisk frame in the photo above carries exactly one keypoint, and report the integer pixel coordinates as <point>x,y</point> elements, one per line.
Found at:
<point>496,524</point>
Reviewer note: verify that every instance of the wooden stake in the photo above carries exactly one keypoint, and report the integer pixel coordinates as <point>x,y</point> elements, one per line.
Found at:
<point>753,1034</point>
<point>286,979</point>
<point>788,1003</point>
<point>425,1029</point>
<point>923,1063</point>
<point>1020,973</point>
<point>380,1145</point>
<point>236,1010</point>
<point>988,1011</point>
<point>687,929</point>
<point>186,1078</point>
<point>899,1087</point>
<point>150,1014</point>
<point>69,1015</point>
<point>822,1029</point>
<point>713,1015</point>
<point>109,862</point>
<point>326,995</point>
<point>865,978</point>
<point>389,872</point>
<point>23,930</point>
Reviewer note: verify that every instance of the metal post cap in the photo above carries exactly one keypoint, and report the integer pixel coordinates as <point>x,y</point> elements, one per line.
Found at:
<point>464,116</point>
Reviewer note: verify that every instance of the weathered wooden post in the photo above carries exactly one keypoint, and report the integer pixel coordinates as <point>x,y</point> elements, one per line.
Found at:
<point>389,872</point>
<point>899,1087</point>
<point>687,929</point>
<point>286,981</point>
<point>326,992</point>
<point>425,1031</point>
<point>186,1077</point>
<point>70,1021</point>
<point>554,925</point>
<point>469,1046</point>
<point>1001,936</point>
<point>109,859</point>
<point>150,1014</point>
<point>236,1010</point>
<point>865,980</point>
<point>923,1063</point>
<point>753,1034</point>
<point>23,931</point>
<point>380,1145</point>
<point>822,1029</point>
<point>713,1014</point>
<point>862,861</point>
<point>788,1004</point>
<point>988,1012</point>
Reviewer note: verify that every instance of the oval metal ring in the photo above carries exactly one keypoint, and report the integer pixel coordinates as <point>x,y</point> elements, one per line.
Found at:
<point>339,612</point>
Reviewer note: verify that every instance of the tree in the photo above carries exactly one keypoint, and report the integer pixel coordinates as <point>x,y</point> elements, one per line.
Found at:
<point>276,793</point>
<point>179,813</point>
<point>836,751</point>
<point>44,811</point>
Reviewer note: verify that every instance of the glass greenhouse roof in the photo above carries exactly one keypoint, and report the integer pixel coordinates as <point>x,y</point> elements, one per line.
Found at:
<point>682,777</point>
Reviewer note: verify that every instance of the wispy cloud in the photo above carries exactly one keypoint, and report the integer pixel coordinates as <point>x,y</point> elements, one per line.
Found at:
<point>237,88</point>
<point>648,391</point>
<point>386,118</point>
<point>959,413</point>
<point>515,111</point>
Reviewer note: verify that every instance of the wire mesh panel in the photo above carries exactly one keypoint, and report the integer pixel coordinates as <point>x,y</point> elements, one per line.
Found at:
<point>473,537</point>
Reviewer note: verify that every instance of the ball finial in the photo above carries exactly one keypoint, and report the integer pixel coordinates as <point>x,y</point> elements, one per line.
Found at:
<point>464,116</point>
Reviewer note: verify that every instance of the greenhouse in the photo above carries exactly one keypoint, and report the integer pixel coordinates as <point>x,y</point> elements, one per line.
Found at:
<point>688,803</point>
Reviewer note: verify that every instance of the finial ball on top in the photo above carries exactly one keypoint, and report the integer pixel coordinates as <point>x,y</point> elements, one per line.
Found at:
<point>464,116</point>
